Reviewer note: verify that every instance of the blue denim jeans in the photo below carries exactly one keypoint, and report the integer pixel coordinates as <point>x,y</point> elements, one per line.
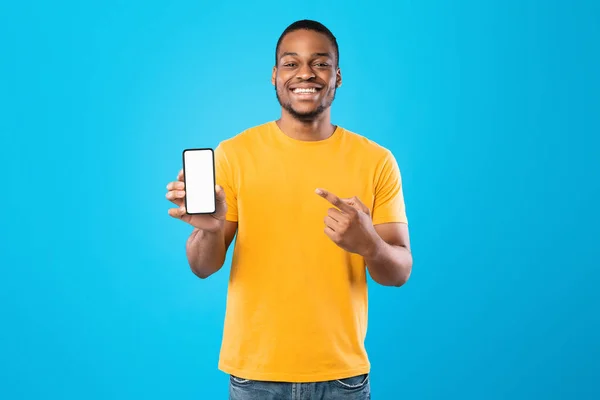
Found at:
<point>353,388</point>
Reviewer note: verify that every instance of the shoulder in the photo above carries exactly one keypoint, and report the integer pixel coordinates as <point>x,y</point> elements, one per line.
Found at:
<point>242,141</point>
<point>366,147</point>
<point>245,138</point>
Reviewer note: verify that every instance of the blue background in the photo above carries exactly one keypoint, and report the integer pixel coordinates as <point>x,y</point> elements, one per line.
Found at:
<point>491,109</point>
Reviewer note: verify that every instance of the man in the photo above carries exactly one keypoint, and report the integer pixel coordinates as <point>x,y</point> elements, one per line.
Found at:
<point>314,206</point>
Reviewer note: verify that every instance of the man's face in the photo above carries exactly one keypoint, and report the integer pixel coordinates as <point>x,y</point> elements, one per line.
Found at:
<point>306,75</point>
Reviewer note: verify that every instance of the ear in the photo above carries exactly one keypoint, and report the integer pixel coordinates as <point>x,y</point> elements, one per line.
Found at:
<point>274,75</point>
<point>338,78</point>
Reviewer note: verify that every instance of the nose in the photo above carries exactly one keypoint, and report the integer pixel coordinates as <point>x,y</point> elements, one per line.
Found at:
<point>305,72</point>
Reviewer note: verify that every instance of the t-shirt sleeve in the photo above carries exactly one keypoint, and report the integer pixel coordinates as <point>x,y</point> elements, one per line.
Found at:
<point>224,178</point>
<point>389,204</point>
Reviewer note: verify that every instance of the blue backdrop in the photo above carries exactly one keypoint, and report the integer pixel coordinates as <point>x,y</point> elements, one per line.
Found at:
<point>491,109</point>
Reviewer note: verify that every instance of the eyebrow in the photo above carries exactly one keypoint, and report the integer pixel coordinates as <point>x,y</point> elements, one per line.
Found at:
<point>287,53</point>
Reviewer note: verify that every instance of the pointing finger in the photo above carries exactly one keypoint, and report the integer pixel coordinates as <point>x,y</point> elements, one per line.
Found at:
<point>335,200</point>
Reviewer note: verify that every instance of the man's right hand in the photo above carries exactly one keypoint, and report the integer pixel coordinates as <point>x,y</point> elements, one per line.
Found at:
<point>207,222</point>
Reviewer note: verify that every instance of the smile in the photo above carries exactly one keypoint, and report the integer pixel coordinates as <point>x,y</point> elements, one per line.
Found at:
<point>305,90</point>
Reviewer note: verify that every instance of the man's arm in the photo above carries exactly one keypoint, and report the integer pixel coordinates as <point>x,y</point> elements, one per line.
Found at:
<point>206,251</point>
<point>389,259</point>
<point>385,246</point>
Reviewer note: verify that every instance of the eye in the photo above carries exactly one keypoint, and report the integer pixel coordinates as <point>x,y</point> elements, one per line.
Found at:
<point>290,64</point>
<point>323,65</point>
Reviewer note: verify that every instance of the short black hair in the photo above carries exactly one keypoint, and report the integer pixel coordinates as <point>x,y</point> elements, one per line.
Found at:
<point>309,25</point>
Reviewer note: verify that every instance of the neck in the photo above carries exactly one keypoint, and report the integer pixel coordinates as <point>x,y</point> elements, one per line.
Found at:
<point>318,129</point>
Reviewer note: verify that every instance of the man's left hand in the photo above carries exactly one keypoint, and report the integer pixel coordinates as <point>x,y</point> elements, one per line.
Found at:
<point>349,225</point>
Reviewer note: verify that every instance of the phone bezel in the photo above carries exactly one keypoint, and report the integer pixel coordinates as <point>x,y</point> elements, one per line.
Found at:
<point>212,153</point>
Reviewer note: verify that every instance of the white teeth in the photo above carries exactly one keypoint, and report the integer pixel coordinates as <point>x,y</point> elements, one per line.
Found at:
<point>301,90</point>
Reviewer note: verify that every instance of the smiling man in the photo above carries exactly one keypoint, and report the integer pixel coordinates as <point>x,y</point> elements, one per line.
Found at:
<point>316,209</point>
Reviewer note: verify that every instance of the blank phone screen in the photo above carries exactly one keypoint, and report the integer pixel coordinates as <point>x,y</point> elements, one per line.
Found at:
<point>199,177</point>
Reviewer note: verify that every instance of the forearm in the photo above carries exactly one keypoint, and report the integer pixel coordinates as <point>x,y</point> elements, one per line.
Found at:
<point>206,252</point>
<point>389,265</point>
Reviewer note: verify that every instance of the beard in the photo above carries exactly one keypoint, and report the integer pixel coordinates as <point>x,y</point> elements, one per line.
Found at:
<point>307,116</point>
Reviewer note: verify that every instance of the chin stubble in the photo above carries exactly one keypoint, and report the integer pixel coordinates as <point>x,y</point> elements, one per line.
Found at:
<point>307,116</point>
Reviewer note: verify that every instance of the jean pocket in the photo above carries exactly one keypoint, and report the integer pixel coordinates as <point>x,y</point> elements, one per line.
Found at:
<point>353,382</point>
<point>238,380</point>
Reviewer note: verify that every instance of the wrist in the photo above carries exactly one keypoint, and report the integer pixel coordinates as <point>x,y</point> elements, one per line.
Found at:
<point>216,227</point>
<point>373,247</point>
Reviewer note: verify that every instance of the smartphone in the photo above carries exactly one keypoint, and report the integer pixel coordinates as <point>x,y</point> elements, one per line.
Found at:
<point>199,179</point>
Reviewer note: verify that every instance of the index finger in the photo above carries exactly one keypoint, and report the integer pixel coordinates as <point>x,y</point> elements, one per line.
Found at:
<point>335,200</point>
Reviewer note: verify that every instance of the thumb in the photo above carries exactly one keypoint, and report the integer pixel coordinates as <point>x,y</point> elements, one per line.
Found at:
<point>357,204</point>
<point>220,193</point>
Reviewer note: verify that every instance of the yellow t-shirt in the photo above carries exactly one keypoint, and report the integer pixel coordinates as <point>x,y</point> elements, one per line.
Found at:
<point>297,303</point>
